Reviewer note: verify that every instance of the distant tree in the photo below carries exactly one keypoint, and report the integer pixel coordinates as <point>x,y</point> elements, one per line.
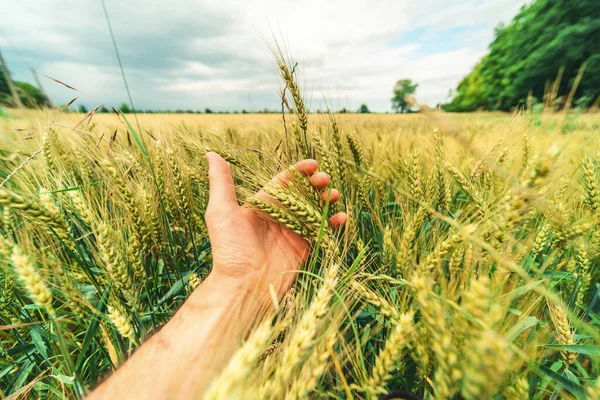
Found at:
<point>124,108</point>
<point>343,111</point>
<point>82,109</point>
<point>244,111</point>
<point>364,109</point>
<point>402,88</point>
<point>207,111</point>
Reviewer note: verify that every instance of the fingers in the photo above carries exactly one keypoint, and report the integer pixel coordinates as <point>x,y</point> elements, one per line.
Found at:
<point>305,167</point>
<point>222,190</point>
<point>333,195</point>
<point>338,220</point>
<point>320,180</point>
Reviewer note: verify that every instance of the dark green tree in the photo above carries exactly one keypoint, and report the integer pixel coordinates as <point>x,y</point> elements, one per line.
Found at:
<point>30,95</point>
<point>402,88</point>
<point>124,108</point>
<point>527,55</point>
<point>364,109</point>
<point>5,95</point>
<point>83,109</point>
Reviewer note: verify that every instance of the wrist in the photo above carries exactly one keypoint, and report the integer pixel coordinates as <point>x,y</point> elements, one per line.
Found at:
<point>237,297</point>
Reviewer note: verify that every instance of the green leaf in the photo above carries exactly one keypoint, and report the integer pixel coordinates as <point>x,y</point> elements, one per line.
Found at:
<point>568,384</point>
<point>525,324</point>
<point>545,379</point>
<point>160,267</point>
<point>523,289</point>
<point>33,307</point>
<point>6,370</point>
<point>175,289</point>
<point>68,380</point>
<point>355,264</point>
<point>25,371</point>
<point>91,332</point>
<point>571,376</point>
<point>39,344</point>
<point>365,334</point>
<point>76,187</point>
<point>135,136</point>
<point>590,350</point>
<point>595,318</point>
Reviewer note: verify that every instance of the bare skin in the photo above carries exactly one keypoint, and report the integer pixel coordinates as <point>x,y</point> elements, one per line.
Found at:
<point>252,258</point>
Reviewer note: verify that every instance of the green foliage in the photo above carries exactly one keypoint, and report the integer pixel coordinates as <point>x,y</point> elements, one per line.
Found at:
<point>470,94</point>
<point>364,109</point>
<point>402,88</point>
<point>528,53</point>
<point>31,96</point>
<point>124,108</point>
<point>5,97</point>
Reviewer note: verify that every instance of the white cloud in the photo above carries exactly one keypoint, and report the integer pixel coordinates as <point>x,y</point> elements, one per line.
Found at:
<point>196,54</point>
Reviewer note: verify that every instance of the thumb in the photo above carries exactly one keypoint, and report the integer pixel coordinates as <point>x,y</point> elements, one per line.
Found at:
<point>222,191</point>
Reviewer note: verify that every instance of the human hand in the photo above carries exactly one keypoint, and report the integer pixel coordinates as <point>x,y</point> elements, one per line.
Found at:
<point>250,253</point>
<point>249,249</point>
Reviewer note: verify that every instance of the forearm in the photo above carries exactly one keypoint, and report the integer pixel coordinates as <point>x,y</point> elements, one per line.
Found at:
<point>181,359</point>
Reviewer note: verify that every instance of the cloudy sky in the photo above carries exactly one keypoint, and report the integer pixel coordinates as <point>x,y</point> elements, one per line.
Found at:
<point>198,53</point>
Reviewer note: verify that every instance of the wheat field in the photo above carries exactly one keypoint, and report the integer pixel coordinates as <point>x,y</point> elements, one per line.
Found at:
<point>468,268</point>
